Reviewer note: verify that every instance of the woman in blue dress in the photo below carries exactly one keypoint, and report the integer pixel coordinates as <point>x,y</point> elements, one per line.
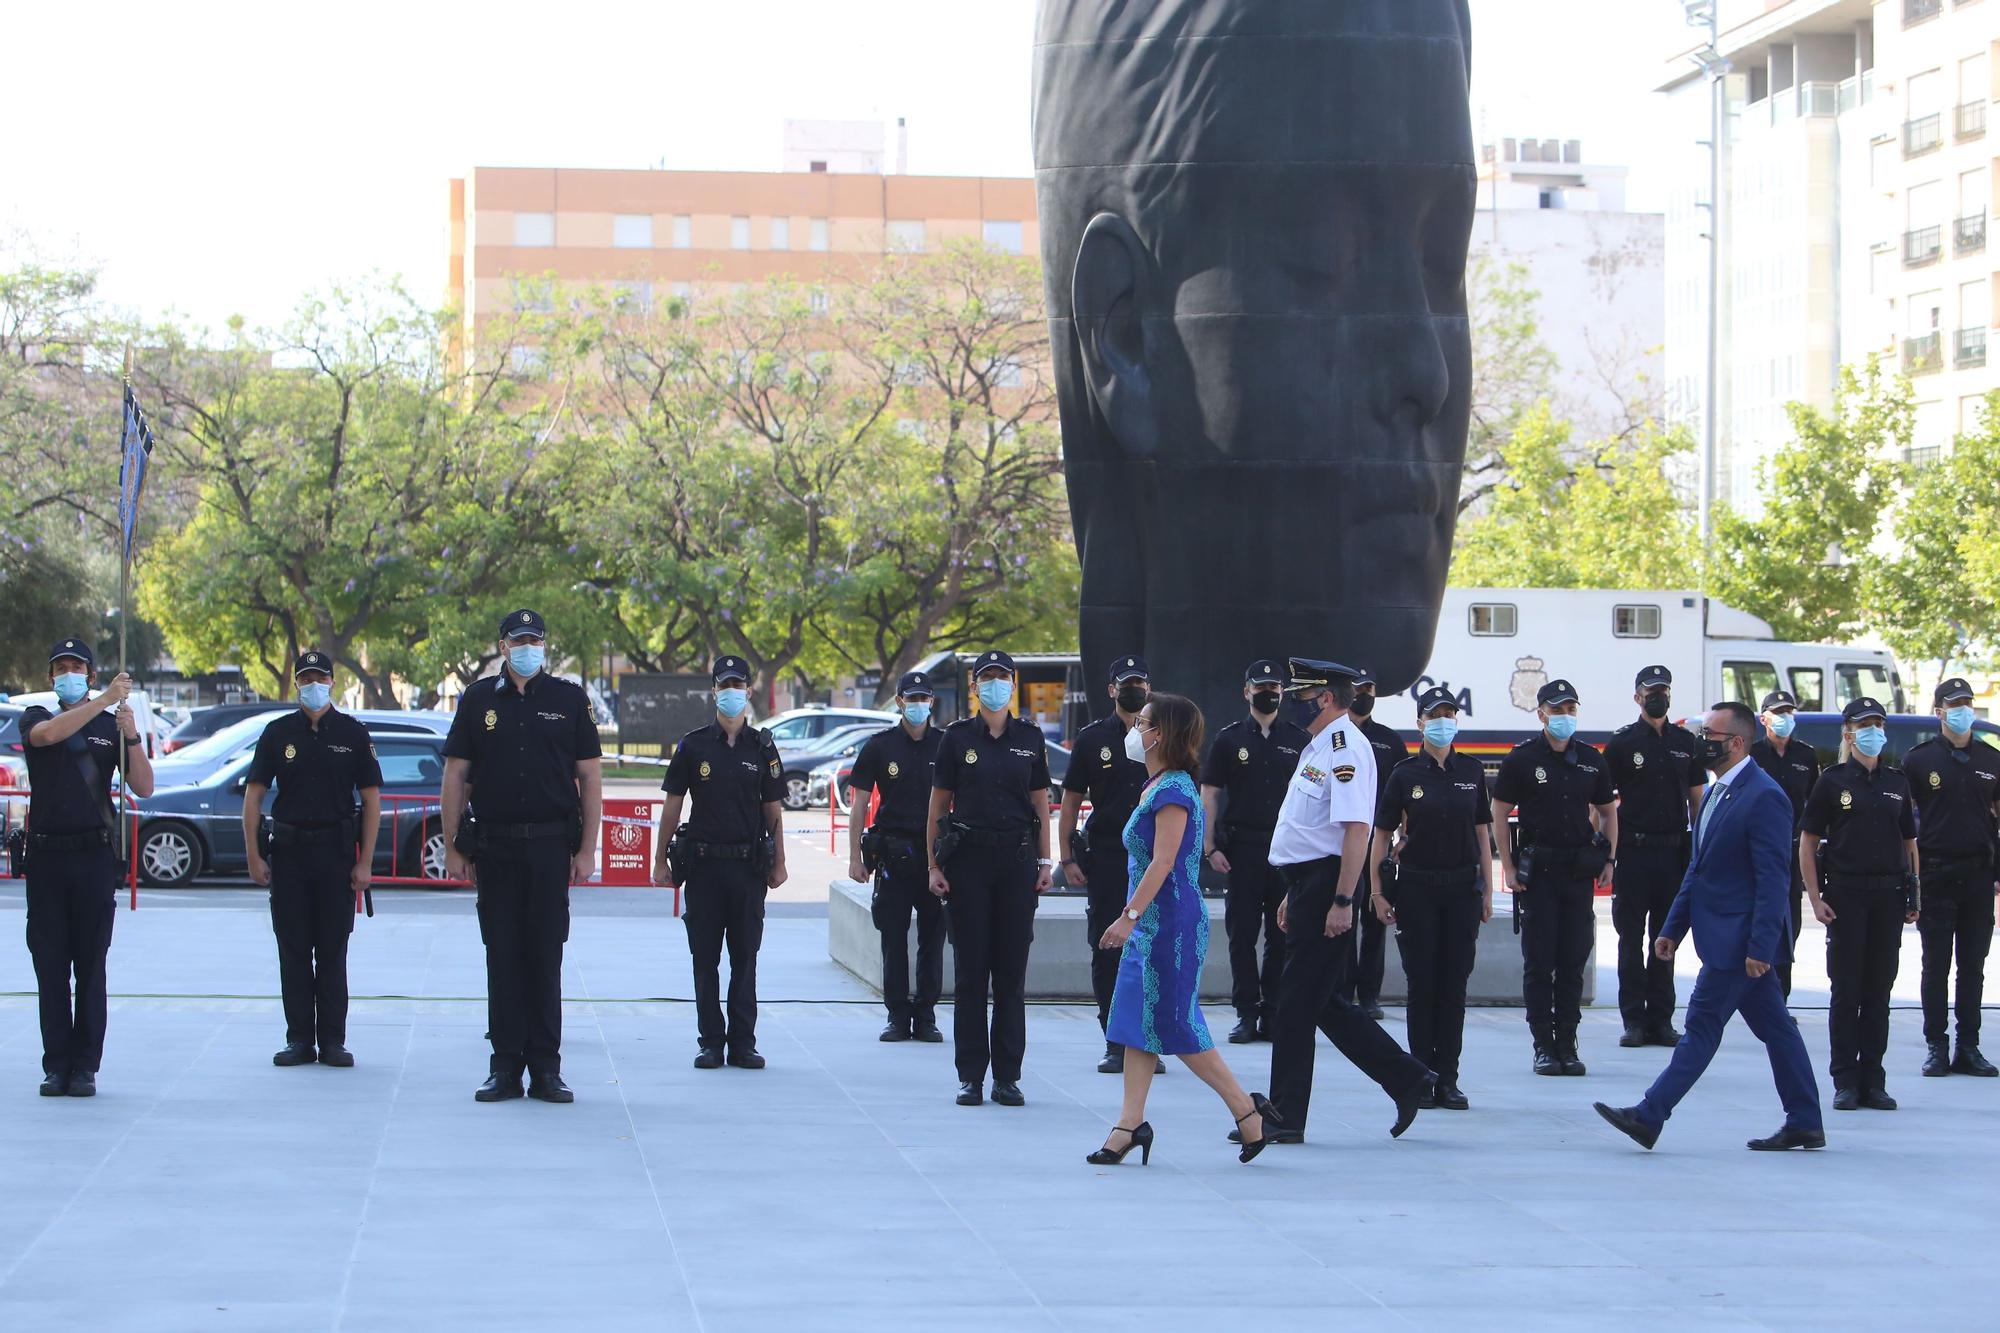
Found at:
<point>1156,1005</point>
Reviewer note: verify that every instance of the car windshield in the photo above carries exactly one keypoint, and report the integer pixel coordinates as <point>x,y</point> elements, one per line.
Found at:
<point>225,742</point>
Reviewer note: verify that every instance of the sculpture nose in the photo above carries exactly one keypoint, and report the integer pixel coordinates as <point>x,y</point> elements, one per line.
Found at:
<point>1416,375</point>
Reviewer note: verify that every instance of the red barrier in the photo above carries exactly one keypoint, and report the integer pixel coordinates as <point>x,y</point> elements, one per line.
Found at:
<point>14,810</point>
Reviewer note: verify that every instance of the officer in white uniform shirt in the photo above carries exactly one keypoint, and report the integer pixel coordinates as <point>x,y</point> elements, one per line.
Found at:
<point>1318,848</point>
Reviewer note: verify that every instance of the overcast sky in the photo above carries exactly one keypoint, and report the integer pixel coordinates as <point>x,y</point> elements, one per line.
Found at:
<point>224,158</point>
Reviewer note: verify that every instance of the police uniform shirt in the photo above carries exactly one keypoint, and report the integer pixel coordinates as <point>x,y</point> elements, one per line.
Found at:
<point>730,784</point>
<point>1954,791</point>
<point>990,777</point>
<point>1796,770</point>
<point>1554,791</point>
<point>1253,770</point>
<point>1390,749</point>
<point>59,798</point>
<point>316,769</point>
<point>1334,785</point>
<point>1864,818</point>
<point>524,746</point>
<point>900,769</point>
<point>1444,804</point>
<point>1652,772</point>
<point>1100,772</point>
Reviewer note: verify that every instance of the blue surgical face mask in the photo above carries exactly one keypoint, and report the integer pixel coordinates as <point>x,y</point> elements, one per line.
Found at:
<point>1439,731</point>
<point>732,702</point>
<point>525,659</point>
<point>1870,740</point>
<point>316,697</point>
<point>917,712</point>
<point>996,694</point>
<point>71,686</point>
<point>1562,726</point>
<point>1782,724</point>
<point>1958,719</point>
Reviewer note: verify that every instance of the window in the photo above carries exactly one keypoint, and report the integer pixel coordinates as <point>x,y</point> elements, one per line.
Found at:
<point>818,164</point>
<point>739,233</point>
<point>1973,311</point>
<point>816,234</point>
<point>1748,682</point>
<point>632,298</point>
<point>1496,620</point>
<point>632,231</point>
<point>1003,236</point>
<point>534,229</point>
<point>1007,373</point>
<point>794,729</point>
<point>1971,413</point>
<point>1641,622</point>
<point>818,300</point>
<point>906,236</point>
<point>1808,687</point>
<point>1855,680</point>
<point>781,233</point>
<point>527,360</point>
<point>407,765</point>
<point>683,231</point>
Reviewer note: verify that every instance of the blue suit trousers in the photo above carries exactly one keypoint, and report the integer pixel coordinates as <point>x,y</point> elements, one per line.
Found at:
<point>1720,992</point>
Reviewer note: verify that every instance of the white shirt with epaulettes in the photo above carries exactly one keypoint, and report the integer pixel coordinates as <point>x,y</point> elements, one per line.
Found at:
<point>1333,786</point>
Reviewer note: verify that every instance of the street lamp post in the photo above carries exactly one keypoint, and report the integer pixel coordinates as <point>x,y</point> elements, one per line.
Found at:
<point>1702,14</point>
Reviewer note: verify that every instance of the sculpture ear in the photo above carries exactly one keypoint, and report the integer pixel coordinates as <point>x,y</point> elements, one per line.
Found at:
<point>1112,266</point>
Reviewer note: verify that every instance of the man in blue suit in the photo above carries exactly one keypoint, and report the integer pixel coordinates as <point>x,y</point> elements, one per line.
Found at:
<point>1736,894</point>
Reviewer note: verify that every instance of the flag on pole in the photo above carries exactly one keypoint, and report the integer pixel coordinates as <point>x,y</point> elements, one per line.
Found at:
<point>136,448</point>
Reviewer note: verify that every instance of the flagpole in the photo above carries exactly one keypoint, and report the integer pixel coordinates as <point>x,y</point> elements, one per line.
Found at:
<point>124,597</point>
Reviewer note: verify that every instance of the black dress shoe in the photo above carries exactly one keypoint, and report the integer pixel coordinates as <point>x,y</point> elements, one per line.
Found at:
<point>708,1057</point>
<point>927,1031</point>
<point>295,1053</point>
<point>1546,1063</point>
<point>1267,1031</point>
<point>1571,1065</point>
<point>1244,1032</point>
<point>969,1094</point>
<point>1008,1094</point>
<point>1112,1063</point>
<point>82,1083</point>
<point>1878,1099</point>
<point>55,1085</point>
<point>1373,1010</point>
<point>1449,1098</point>
<point>1273,1136</point>
<point>1787,1138</point>
<point>896,1031</point>
<point>739,1058</point>
<point>1428,1100</point>
<point>1663,1036</point>
<point>1846,1099</point>
<point>1625,1119</point>
<point>550,1088</point>
<point>1937,1059</point>
<point>1634,1036</point>
<point>1970,1061</point>
<point>338,1057</point>
<point>498,1088</point>
<point>1409,1101</point>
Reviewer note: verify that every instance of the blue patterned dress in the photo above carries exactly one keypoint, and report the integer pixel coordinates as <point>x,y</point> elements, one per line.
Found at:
<point>1157,1003</point>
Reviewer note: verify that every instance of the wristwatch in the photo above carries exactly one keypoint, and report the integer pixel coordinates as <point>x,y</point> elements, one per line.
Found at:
<point>1046,864</point>
<point>1342,900</point>
<point>1131,915</point>
<point>131,741</point>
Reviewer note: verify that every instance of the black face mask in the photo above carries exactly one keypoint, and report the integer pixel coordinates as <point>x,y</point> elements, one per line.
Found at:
<point>1305,712</point>
<point>1713,754</point>
<point>1657,705</point>
<point>1264,701</point>
<point>1132,698</point>
<point>1363,705</point>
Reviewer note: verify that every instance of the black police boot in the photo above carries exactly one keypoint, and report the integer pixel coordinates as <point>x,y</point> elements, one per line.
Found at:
<point>295,1053</point>
<point>1008,1094</point>
<point>708,1057</point>
<point>1846,1099</point>
<point>1566,1052</point>
<point>970,1094</point>
<point>82,1083</point>
<point>1449,1098</point>
<point>1664,1035</point>
<point>1634,1036</point>
<point>336,1057</point>
<point>55,1085</point>
<point>550,1088</point>
<point>1878,1099</point>
<point>745,1057</point>
<point>927,1030</point>
<point>1937,1059</point>
<point>1970,1061</point>
<point>1546,1062</point>
<point>1112,1063</point>
<point>1244,1032</point>
<point>498,1088</point>
<point>897,1030</point>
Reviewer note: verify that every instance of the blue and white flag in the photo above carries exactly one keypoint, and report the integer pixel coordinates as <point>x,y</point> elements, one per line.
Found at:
<point>135,448</point>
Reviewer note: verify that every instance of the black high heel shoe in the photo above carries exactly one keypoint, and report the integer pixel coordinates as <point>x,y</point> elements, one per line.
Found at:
<point>1142,1139</point>
<point>1267,1114</point>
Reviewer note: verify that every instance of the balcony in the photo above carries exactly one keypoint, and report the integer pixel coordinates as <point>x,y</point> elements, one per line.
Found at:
<point>1968,347</point>
<point>1922,455</point>
<point>1968,120</point>
<point>1916,11</point>
<point>1968,235</point>
<point>1923,135</point>
<point>1922,246</point>
<point>1923,356</point>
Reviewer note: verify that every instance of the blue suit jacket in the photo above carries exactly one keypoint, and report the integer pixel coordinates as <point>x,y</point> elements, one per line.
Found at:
<point>1738,886</point>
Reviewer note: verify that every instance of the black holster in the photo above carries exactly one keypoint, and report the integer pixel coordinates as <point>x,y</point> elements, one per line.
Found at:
<point>1591,860</point>
<point>1388,879</point>
<point>950,834</point>
<point>1079,843</point>
<point>17,852</point>
<point>576,831</point>
<point>1913,894</point>
<point>766,855</point>
<point>467,842</point>
<point>872,850</point>
<point>680,854</point>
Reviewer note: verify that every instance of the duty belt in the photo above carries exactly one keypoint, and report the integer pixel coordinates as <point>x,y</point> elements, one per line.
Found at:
<point>979,837</point>
<point>1953,865</point>
<point>1869,883</point>
<point>724,851</point>
<point>68,842</point>
<point>282,832</point>
<point>1639,839</point>
<point>1455,877</point>
<point>552,828</point>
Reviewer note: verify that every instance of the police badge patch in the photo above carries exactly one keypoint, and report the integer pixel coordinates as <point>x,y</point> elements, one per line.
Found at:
<point>492,719</point>
<point>971,756</point>
<point>1638,760</point>
<point>1105,754</point>
<point>895,769</point>
<point>704,768</point>
<point>1541,775</point>
<point>776,768</point>
<point>1345,773</point>
<point>1846,799</point>
<point>1416,793</point>
<point>1243,755</point>
<point>1936,780</point>
<point>291,753</point>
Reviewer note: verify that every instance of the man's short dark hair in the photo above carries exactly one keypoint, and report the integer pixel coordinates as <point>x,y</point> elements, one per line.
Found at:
<point>1742,721</point>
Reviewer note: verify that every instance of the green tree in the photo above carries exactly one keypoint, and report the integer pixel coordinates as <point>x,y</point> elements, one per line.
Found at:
<point>1801,564</point>
<point>1512,369</point>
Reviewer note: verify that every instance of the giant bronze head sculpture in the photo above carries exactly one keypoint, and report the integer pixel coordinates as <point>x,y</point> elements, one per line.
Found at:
<point>1254,218</point>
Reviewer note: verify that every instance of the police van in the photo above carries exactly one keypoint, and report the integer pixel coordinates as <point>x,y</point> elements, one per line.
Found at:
<point>1496,646</point>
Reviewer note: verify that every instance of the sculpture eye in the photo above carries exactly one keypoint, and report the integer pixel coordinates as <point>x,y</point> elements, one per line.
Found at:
<point>1445,229</point>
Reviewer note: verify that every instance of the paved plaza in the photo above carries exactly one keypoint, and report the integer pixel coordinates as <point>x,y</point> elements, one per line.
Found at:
<point>841,1188</point>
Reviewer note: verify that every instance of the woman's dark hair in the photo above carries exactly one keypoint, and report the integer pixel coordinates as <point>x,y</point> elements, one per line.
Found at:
<point>1180,728</point>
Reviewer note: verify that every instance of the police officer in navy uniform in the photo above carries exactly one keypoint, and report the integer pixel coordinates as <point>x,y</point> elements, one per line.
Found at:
<point>1250,762</point>
<point>1435,806</point>
<point>896,765</point>
<point>735,849</point>
<point>1569,823</point>
<point>320,759</point>
<point>1659,787</point>
<point>72,865</point>
<point>524,747</point>
<point>989,861</point>
<point>1794,766</point>
<point>1101,772</point>
<point>1955,784</point>
<point>1861,807</point>
<point>1371,932</point>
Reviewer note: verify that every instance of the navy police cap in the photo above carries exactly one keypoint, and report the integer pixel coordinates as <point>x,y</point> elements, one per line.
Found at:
<point>1957,687</point>
<point>1264,671</point>
<point>1555,692</point>
<point>1650,676</point>
<point>729,667</point>
<point>77,648</point>
<point>1128,668</point>
<point>1863,707</point>
<point>313,660</point>
<point>990,659</point>
<point>915,683</point>
<point>1435,696</point>
<point>1779,699</point>
<point>1313,673</point>
<point>517,623</point>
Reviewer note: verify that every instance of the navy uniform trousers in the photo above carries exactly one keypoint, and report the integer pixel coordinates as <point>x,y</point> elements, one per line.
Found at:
<point>72,903</point>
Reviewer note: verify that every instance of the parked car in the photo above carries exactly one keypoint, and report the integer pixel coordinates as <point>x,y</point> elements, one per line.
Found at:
<point>205,757</point>
<point>799,727</point>
<point>205,722</point>
<point>1906,731</point>
<point>198,829</point>
<point>801,760</point>
<point>833,781</point>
